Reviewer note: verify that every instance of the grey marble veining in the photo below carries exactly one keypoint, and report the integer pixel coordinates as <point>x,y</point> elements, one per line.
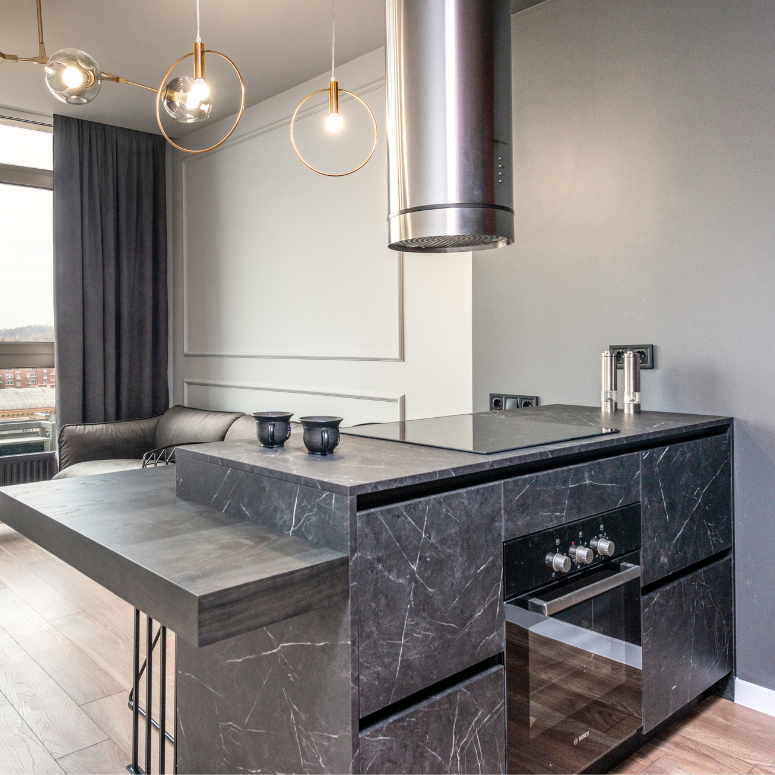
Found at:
<point>318,516</point>
<point>430,591</point>
<point>687,639</point>
<point>687,505</point>
<point>361,465</point>
<point>273,700</point>
<point>461,730</point>
<point>536,502</point>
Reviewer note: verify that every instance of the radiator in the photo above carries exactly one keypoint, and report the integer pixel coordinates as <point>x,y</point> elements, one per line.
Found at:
<point>22,469</point>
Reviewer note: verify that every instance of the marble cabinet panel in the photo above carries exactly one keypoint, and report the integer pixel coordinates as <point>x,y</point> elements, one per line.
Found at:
<point>687,505</point>
<point>429,591</point>
<point>273,700</point>
<point>318,516</point>
<point>687,637</point>
<point>460,730</point>
<point>539,501</point>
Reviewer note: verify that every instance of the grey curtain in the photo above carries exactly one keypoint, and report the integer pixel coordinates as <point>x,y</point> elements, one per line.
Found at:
<point>110,272</point>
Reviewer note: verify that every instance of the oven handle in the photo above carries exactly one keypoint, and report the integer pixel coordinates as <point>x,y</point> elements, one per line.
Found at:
<point>551,607</point>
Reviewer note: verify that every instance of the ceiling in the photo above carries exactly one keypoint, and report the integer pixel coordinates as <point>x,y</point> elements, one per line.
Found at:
<point>277,44</point>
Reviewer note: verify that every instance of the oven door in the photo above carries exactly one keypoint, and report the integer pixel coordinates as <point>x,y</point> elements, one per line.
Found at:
<point>573,667</point>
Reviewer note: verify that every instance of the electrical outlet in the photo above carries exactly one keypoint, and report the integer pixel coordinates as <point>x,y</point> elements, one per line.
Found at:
<point>646,352</point>
<point>504,401</point>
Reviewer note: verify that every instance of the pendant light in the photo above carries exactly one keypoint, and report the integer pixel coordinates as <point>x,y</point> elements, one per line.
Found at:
<point>187,99</point>
<point>73,77</point>
<point>334,121</point>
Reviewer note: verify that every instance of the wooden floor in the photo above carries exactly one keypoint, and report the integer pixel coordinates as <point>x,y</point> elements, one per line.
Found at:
<point>718,737</point>
<point>65,668</point>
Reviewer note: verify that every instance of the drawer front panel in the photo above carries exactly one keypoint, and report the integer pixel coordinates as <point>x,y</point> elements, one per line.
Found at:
<point>429,591</point>
<point>687,505</point>
<point>537,502</point>
<point>460,730</point>
<point>687,639</point>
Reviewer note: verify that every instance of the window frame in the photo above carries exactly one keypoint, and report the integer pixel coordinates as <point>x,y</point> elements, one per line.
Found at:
<point>33,355</point>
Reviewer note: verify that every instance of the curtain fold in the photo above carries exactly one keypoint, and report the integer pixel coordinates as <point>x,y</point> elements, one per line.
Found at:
<point>110,272</point>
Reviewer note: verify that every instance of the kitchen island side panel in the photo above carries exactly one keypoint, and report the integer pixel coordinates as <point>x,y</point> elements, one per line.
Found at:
<point>430,592</point>
<point>276,699</point>
<point>319,516</point>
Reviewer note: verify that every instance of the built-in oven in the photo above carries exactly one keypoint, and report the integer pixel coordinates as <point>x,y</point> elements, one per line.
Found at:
<point>573,642</point>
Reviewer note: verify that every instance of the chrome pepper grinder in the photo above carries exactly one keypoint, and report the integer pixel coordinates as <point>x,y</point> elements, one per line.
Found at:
<point>608,393</point>
<point>631,383</point>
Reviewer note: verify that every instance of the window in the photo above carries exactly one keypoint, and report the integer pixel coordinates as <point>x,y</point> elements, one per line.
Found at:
<point>27,409</point>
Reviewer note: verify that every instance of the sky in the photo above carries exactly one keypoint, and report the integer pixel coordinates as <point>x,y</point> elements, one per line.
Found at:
<point>26,234</point>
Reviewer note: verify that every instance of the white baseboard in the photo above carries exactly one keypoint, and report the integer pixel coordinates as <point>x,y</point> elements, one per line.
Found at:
<point>753,696</point>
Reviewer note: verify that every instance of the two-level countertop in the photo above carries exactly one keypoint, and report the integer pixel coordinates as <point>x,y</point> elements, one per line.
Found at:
<point>361,466</point>
<point>206,575</point>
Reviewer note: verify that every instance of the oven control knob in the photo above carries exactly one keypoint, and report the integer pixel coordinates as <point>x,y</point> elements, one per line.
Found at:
<point>582,554</point>
<point>603,546</point>
<point>558,562</point>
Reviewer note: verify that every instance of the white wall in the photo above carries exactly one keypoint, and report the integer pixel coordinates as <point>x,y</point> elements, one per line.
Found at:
<point>285,294</point>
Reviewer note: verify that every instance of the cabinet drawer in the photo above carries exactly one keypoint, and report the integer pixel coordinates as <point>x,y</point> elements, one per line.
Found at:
<point>687,505</point>
<point>460,730</point>
<point>687,639</point>
<point>540,501</point>
<point>430,598</point>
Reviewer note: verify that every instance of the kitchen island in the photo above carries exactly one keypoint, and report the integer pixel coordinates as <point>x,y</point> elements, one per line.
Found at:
<point>401,665</point>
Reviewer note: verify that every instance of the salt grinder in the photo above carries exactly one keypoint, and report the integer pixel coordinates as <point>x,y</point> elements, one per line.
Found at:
<point>631,383</point>
<point>608,393</point>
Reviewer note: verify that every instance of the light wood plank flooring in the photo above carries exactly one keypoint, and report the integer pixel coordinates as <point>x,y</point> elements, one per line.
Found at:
<point>65,668</point>
<point>718,737</point>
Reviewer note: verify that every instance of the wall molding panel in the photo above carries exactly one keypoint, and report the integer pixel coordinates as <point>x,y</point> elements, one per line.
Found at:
<point>284,292</point>
<point>189,350</point>
<point>396,401</point>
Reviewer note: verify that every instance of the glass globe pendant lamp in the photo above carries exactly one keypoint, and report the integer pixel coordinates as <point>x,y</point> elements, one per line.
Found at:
<point>188,100</point>
<point>72,76</point>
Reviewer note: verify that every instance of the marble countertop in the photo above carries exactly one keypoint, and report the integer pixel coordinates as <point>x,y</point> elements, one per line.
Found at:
<point>362,465</point>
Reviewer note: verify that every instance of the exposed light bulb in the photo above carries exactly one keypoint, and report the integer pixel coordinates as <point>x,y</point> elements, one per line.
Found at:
<point>73,77</point>
<point>192,100</point>
<point>201,89</point>
<point>334,122</point>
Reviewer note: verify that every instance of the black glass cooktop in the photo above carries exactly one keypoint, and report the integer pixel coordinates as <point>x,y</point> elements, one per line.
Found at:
<point>484,433</point>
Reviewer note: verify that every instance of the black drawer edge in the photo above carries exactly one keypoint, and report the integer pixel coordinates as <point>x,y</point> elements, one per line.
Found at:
<point>373,500</point>
<point>679,574</point>
<point>381,715</point>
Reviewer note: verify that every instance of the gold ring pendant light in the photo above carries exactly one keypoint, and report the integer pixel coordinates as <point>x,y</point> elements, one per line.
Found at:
<point>187,101</point>
<point>164,92</point>
<point>334,120</point>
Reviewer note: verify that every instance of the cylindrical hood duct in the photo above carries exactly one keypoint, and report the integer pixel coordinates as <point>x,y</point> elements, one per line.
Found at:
<point>449,125</point>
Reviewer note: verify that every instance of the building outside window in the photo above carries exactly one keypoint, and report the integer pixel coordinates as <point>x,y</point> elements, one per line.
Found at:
<point>27,398</point>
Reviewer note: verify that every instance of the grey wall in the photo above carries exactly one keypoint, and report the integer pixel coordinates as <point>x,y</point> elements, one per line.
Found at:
<point>645,193</point>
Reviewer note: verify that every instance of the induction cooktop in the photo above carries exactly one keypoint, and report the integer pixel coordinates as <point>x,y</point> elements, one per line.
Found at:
<point>483,433</point>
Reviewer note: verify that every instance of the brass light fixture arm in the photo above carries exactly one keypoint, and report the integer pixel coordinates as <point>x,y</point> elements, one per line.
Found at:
<point>160,96</point>
<point>42,57</point>
<point>121,79</point>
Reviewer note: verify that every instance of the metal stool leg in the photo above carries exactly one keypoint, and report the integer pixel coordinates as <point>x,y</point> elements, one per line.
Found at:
<point>148,692</point>
<point>162,700</point>
<point>134,766</point>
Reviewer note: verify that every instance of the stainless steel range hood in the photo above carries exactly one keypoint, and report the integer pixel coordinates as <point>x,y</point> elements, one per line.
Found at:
<point>449,125</point>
